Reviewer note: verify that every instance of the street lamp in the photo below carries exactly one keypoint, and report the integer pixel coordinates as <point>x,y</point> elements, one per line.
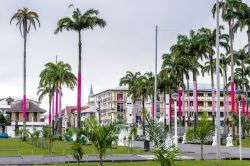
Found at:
<point>174,97</point>
<point>240,94</point>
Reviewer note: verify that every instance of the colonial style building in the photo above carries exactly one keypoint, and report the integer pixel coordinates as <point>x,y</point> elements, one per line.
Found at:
<point>12,108</point>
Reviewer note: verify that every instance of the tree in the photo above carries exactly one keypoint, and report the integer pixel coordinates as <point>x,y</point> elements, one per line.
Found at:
<point>131,79</point>
<point>25,20</point>
<point>77,152</point>
<point>144,92</point>
<point>210,67</point>
<point>52,78</point>
<point>3,122</point>
<point>101,136</point>
<point>229,13</point>
<point>165,154</point>
<point>204,130</point>
<point>132,136</point>
<point>79,22</point>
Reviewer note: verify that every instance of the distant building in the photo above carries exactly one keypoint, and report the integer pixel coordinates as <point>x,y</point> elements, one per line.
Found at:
<point>13,109</point>
<point>69,113</point>
<point>112,103</point>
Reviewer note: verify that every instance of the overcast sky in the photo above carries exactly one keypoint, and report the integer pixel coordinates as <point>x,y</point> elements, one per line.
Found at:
<point>126,43</point>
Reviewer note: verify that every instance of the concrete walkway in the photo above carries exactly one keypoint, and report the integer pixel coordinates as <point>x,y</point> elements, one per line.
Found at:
<point>188,152</point>
<point>34,160</point>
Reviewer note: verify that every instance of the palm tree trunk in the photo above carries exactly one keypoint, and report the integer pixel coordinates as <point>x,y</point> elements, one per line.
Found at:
<point>164,108</point>
<point>24,77</point>
<point>53,113</point>
<point>224,103</point>
<point>170,111</point>
<point>212,85</point>
<point>153,107</point>
<point>79,80</point>
<point>188,102</point>
<point>202,158</point>
<point>133,114</point>
<point>195,103</point>
<point>231,38</point>
<point>60,110</point>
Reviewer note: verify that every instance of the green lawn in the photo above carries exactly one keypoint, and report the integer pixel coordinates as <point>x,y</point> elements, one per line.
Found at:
<point>179,163</point>
<point>61,148</point>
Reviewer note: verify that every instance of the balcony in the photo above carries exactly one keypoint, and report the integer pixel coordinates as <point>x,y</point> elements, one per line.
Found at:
<point>29,123</point>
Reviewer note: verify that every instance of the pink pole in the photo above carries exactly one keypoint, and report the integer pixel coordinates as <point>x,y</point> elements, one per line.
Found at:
<point>79,82</point>
<point>24,106</point>
<point>50,113</point>
<point>232,95</point>
<point>196,98</point>
<point>153,108</point>
<point>179,101</point>
<point>243,106</point>
<point>170,108</point>
<point>56,102</point>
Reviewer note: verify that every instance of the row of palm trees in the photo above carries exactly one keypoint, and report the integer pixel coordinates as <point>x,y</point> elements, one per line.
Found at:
<point>52,79</point>
<point>78,22</point>
<point>187,56</point>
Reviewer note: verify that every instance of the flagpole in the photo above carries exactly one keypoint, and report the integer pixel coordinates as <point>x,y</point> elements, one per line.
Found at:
<point>218,82</point>
<point>155,82</point>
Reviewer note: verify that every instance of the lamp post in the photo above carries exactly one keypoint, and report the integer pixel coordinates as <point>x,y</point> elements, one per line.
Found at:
<point>240,93</point>
<point>175,96</point>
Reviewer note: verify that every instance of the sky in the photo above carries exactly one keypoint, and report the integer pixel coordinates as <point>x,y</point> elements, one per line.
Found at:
<point>126,43</point>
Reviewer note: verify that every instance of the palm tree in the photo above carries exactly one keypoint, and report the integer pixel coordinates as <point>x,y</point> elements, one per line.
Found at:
<point>80,22</point>
<point>229,14</point>
<point>150,86</point>
<point>224,62</point>
<point>102,136</point>
<point>210,36</point>
<point>204,130</point>
<point>53,77</point>
<point>131,79</point>
<point>25,20</point>
<point>143,92</point>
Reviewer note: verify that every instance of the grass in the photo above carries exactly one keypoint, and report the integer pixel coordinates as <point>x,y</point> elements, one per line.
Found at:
<point>17,147</point>
<point>178,163</point>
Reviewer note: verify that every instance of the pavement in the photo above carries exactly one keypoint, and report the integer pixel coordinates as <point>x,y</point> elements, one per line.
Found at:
<point>188,152</point>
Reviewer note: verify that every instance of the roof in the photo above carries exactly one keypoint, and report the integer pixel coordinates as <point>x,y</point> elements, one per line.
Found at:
<point>90,110</point>
<point>203,87</point>
<point>32,107</point>
<point>71,109</point>
<point>91,92</point>
<point>120,88</point>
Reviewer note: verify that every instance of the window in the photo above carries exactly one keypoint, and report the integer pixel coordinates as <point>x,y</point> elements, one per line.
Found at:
<point>119,97</point>
<point>27,117</point>
<point>119,107</point>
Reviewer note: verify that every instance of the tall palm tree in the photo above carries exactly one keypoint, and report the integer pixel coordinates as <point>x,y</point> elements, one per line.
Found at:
<point>131,80</point>
<point>150,82</point>
<point>224,62</point>
<point>210,36</point>
<point>143,92</point>
<point>79,22</point>
<point>25,19</point>
<point>229,14</point>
